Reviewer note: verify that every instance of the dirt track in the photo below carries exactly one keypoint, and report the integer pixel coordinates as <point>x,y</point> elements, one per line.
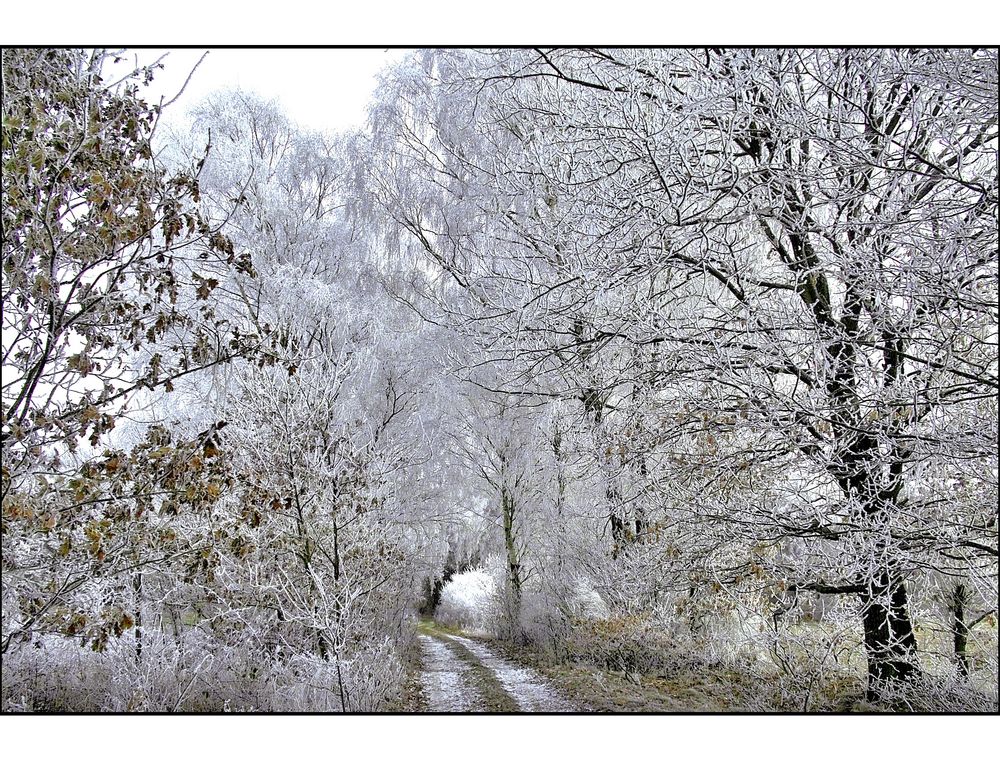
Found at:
<point>461,675</point>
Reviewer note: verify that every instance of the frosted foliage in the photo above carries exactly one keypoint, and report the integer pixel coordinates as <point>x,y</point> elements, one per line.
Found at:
<point>470,601</point>
<point>586,602</point>
<point>679,364</point>
<point>723,369</point>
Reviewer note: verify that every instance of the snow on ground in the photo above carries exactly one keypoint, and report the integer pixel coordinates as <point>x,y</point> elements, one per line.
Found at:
<point>526,686</point>
<point>445,679</point>
<point>449,682</point>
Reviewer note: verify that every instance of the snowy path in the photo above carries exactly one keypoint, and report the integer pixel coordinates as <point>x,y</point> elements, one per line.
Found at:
<point>445,679</point>
<point>450,683</point>
<point>525,685</point>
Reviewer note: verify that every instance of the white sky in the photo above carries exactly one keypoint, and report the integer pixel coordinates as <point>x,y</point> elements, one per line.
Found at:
<point>326,89</point>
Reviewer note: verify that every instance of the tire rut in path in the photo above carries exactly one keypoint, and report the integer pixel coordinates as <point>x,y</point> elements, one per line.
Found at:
<point>530,690</point>
<point>445,679</point>
<point>463,675</point>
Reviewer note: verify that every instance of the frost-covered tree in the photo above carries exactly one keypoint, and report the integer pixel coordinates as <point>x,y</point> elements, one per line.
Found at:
<point>327,437</point>
<point>647,357</point>
<point>108,267</point>
<point>769,276</point>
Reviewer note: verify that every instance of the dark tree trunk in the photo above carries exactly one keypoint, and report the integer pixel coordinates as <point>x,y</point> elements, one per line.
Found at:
<point>960,629</point>
<point>890,644</point>
<point>619,533</point>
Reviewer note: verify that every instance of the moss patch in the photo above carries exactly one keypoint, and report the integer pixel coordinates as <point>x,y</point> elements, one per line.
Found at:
<point>432,628</point>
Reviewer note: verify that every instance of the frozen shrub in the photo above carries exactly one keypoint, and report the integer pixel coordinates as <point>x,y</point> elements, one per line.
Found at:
<point>470,601</point>
<point>945,695</point>
<point>548,613</point>
<point>194,673</point>
<point>623,643</point>
<point>586,603</point>
<point>544,621</point>
<point>373,675</point>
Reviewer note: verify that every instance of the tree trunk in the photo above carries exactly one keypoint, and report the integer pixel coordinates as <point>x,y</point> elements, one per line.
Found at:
<point>960,629</point>
<point>890,644</point>
<point>508,506</point>
<point>619,530</point>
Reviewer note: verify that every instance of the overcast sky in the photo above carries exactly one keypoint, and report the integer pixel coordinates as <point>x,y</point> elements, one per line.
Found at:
<point>325,89</point>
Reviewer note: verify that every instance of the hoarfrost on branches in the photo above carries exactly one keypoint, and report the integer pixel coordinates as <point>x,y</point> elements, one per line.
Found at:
<point>647,360</point>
